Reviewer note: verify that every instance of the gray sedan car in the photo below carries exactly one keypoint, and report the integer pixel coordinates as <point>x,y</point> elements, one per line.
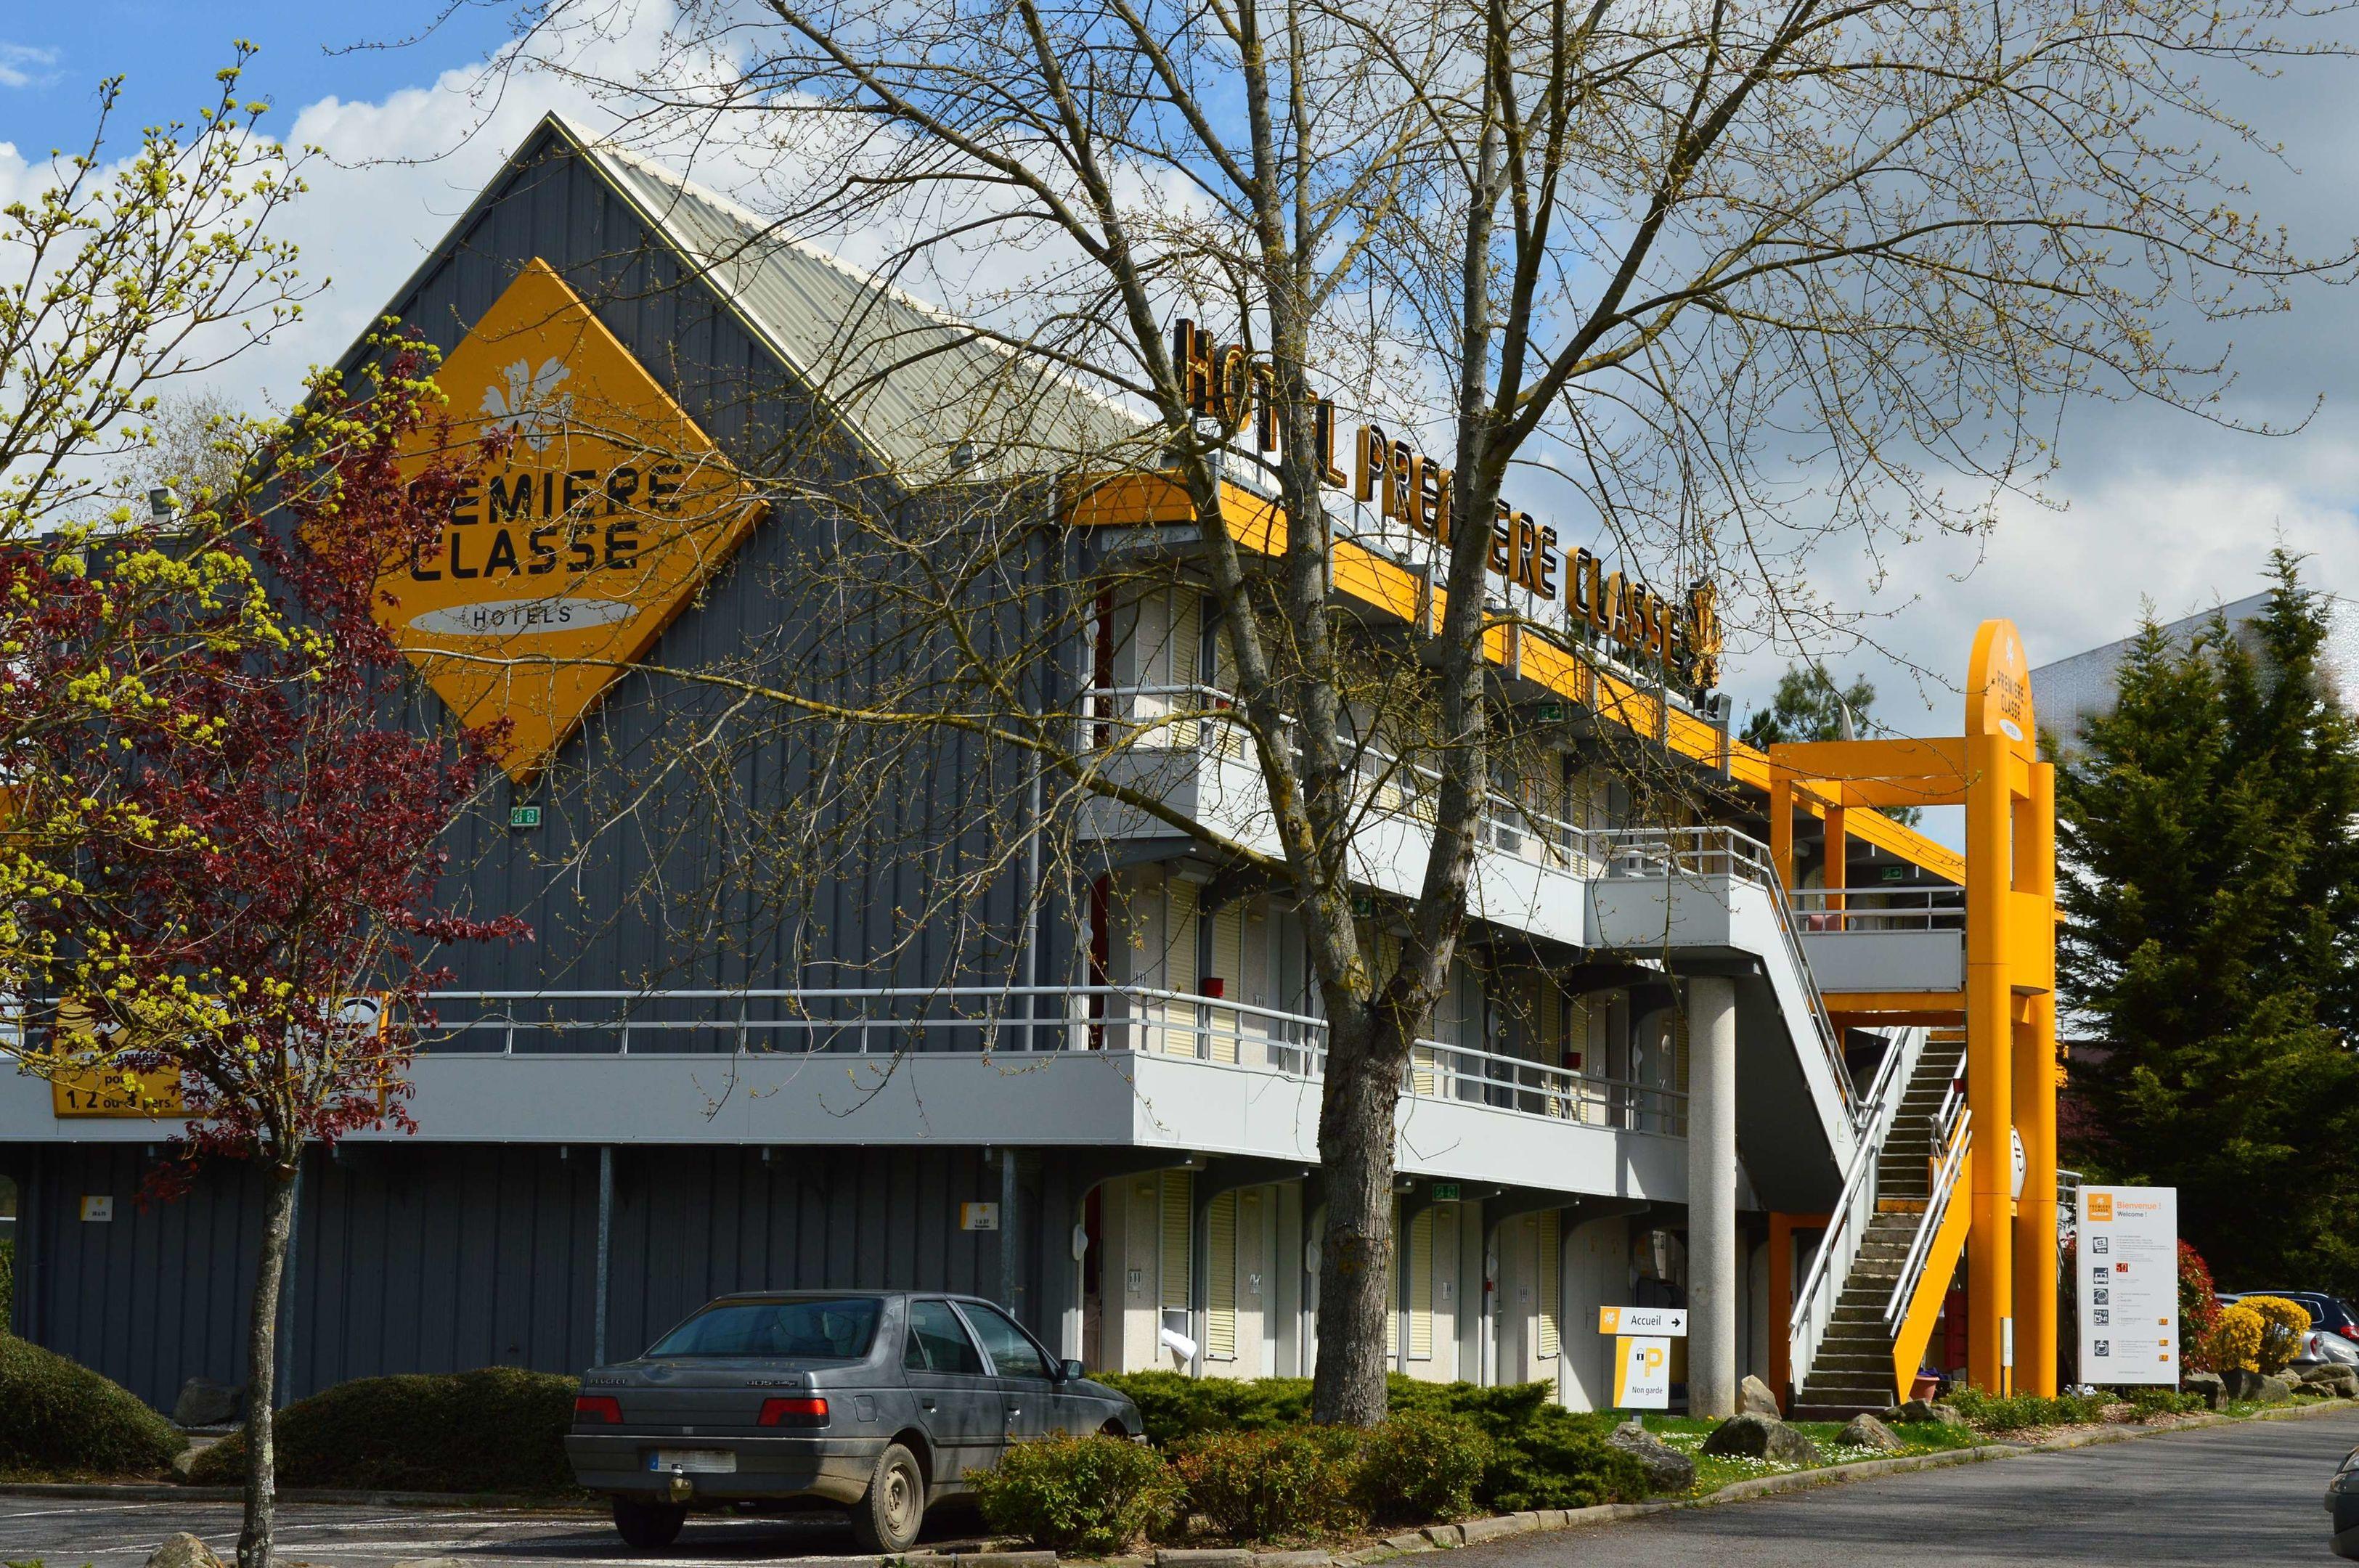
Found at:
<point>882,1400</point>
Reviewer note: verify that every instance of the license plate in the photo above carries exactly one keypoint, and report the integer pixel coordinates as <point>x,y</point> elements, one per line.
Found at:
<point>693,1460</point>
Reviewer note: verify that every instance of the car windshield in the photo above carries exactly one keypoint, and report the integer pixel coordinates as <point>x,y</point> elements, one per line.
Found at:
<point>837,1328</point>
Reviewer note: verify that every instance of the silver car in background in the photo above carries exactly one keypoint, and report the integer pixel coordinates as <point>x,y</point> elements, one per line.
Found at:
<point>882,1400</point>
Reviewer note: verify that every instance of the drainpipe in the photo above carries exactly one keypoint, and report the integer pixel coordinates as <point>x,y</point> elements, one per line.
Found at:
<point>605,1251</point>
<point>1009,1289</point>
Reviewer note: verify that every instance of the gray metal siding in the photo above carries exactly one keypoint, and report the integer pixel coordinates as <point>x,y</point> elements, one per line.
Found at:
<point>671,893</point>
<point>436,1258</point>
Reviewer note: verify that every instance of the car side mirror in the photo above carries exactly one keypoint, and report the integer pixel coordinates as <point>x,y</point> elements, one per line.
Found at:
<point>1070,1371</point>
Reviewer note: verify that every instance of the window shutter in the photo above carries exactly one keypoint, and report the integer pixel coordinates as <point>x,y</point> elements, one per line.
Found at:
<point>1179,1197</point>
<point>1221,1296</point>
<point>1180,964</point>
<point>1392,1293</point>
<point>1419,1261</point>
<point>1551,1252</point>
<point>1228,963</point>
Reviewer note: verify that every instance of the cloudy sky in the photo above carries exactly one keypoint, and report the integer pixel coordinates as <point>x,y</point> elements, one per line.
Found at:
<point>2157,504</point>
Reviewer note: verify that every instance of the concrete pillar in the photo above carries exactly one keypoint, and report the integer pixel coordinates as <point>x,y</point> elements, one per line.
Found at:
<point>1711,1196</point>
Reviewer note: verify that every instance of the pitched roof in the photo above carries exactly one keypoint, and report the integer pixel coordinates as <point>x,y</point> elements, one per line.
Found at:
<point>912,381</point>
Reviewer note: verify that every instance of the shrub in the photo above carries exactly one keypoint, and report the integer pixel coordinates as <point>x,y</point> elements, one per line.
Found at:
<point>1560,1460</point>
<point>1177,1407</point>
<point>2198,1311</point>
<point>1986,1412</point>
<point>7,1283</point>
<point>2149,1402</point>
<point>59,1418</point>
<point>2283,1323</point>
<point>2236,1339</point>
<point>1287,1485</point>
<point>1093,1496</point>
<point>1420,1466</point>
<point>498,1429</point>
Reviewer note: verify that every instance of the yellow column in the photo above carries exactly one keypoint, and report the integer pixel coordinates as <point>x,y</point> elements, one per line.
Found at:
<point>1838,853</point>
<point>1990,1252</point>
<point>2035,1118</point>
<point>1782,827</point>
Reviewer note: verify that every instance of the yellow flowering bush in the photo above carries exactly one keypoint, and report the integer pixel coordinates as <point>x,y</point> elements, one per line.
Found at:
<point>2236,1339</point>
<point>2283,1322</point>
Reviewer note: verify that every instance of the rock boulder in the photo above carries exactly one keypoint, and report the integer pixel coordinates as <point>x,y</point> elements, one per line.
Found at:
<point>1754,1398</point>
<point>183,1550</point>
<point>2255,1387</point>
<point>1751,1436</point>
<point>1867,1431</point>
<point>1923,1409</point>
<point>204,1403</point>
<point>1668,1469</point>
<point>2209,1384</point>
<point>2339,1379</point>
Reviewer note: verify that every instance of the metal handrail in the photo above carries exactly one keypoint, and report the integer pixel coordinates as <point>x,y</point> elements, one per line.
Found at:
<point>1162,1022</point>
<point>1883,1102</point>
<point>1921,1246</point>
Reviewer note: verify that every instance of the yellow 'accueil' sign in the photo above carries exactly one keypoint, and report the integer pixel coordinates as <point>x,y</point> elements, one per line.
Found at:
<point>565,559</point>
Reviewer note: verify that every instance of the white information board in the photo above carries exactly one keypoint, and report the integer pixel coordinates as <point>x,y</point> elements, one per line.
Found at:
<point>2127,1266</point>
<point>1642,1373</point>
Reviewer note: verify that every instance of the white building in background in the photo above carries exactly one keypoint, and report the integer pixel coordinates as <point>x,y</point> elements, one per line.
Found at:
<point>2070,690</point>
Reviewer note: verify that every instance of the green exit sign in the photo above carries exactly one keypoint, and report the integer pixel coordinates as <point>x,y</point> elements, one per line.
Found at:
<point>523,817</point>
<point>1896,873</point>
<point>1551,712</point>
<point>1445,1192</point>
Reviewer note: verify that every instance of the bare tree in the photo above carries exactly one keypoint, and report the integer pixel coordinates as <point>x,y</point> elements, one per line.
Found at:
<point>1725,283</point>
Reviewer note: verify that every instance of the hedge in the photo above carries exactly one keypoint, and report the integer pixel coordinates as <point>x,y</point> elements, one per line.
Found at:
<point>1091,1496</point>
<point>499,1429</point>
<point>59,1419</point>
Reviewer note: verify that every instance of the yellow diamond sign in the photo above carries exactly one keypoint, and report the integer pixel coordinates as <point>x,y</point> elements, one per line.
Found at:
<point>571,551</point>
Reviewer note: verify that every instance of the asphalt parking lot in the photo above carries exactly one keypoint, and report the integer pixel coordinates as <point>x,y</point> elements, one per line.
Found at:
<point>2246,1493</point>
<point>65,1532</point>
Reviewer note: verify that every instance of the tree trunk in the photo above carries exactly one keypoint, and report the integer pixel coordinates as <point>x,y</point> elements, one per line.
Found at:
<point>254,1542</point>
<point>1356,1275</point>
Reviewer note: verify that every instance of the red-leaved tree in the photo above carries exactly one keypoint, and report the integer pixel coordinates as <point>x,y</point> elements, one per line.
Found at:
<point>243,868</point>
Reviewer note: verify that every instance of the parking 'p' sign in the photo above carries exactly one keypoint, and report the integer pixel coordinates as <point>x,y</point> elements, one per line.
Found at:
<point>1642,1373</point>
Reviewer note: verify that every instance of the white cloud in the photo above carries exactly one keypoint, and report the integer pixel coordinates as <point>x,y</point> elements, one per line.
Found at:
<point>22,65</point>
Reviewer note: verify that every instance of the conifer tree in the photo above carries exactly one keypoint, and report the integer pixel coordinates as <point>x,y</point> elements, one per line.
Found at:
<point>2210,869</point>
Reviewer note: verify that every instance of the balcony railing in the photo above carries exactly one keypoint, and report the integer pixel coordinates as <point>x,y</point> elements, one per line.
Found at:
<point>886,1023</point>
<point>1164,718</point>
<point>1879,909</point>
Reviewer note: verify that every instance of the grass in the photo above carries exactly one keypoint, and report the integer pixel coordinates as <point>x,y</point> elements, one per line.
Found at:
<point>1687,1433</point>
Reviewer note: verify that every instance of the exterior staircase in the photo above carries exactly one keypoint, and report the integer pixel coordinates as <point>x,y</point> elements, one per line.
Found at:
<point>1853,1369</point>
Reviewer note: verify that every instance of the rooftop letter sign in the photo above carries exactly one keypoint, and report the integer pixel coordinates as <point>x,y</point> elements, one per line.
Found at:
<point>575,547</point>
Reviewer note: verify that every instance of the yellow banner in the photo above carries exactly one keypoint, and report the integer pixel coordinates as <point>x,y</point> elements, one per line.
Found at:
<point>566,559</point>
<point>87,1087</point>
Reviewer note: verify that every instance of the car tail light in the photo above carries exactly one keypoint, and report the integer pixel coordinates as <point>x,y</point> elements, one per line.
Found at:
<point>602,1409</point>
<point>2349,1330</point>
<point>793,1412</point>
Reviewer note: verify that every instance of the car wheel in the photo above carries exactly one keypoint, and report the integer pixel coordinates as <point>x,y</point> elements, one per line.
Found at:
<point>888,1517</point>
<point>648,1525</point>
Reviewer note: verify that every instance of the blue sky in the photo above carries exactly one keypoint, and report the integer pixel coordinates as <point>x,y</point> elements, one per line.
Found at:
<point>52,57</point>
